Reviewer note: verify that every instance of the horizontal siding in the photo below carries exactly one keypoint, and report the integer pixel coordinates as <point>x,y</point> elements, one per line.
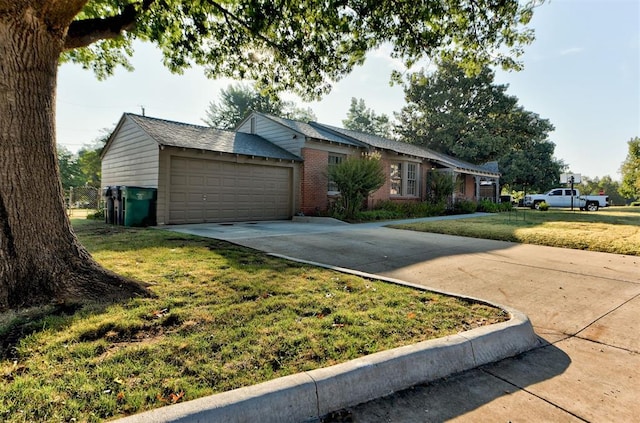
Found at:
<point>274,132</point>
<point>132,158</point>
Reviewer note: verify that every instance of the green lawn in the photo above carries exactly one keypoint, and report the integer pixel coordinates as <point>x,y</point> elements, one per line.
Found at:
<point>610,230</point>
<point>224,317</point>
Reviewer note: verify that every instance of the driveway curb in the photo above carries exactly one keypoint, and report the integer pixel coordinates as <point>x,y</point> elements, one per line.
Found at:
<point>307,396</point>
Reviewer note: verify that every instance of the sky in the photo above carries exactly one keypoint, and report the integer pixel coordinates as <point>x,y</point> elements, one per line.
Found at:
<point>582,73</point>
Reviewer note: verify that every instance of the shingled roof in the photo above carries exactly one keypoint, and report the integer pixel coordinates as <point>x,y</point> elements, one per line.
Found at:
<point>379,142</point>
<point>313,131</point>
<point>176,134</point>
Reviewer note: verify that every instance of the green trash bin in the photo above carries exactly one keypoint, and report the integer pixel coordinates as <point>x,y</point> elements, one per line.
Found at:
<point>139,206</point>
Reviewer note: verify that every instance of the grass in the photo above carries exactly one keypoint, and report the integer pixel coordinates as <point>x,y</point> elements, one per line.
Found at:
<point>225,317</point>
<point>611,230</point>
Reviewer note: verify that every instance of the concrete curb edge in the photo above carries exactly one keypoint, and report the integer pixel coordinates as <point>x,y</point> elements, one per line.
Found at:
<point>307,396</point>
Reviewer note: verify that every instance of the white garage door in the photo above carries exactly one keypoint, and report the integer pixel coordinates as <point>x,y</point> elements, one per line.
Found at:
<point>215,191</point>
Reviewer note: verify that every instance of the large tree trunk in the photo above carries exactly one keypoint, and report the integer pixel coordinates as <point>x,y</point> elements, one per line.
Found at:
<point>41,260</point>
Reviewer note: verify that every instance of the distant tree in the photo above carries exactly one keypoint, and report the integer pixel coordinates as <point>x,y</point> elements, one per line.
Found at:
<point>302,114</point>
<point>238,100</point>
<point>292,45</point>
<point>533,169</point>
<point>630,170</point>
<point>472,118</point>
<point>360,118</point>
<point>70,173</point>
<point>605,185</point>
<point>356,178</point>
<point>90,164</point>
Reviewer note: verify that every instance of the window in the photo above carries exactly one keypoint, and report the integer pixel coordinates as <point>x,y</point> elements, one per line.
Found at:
<point>334,159</point>
<point>396,179</point>
<point>403,177</point>
<point>412,179</point>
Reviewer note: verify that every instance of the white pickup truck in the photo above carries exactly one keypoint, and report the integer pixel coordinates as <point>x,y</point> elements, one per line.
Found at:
<point>561,197</point>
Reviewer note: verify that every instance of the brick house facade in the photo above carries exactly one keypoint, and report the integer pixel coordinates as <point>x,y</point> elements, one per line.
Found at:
<point>406,165</point>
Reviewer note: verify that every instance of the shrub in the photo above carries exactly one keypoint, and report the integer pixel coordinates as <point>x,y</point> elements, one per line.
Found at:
<point>488,206</point>
<point>440,186</point>
<point>389,210</point>
<point>356,178</point>
<point>635,203</point>
<point>369,215</point>
<point>463,207</point>
<point>98,215</point>
<point>543,206</point>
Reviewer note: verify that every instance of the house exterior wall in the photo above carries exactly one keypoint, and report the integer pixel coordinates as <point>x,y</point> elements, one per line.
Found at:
<point>131,159</point>
<point>273,132</point>
<point>384,193</point>
<point>314,181</point>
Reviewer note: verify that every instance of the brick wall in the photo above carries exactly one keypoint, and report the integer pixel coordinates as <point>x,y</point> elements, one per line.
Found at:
<point>381,194</point>
<point>314,181</point>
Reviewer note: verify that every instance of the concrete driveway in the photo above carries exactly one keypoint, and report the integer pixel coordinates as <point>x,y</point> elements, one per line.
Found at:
<point>586,306</point>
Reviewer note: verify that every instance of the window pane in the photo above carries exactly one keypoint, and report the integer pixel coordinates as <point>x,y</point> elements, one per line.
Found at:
<point>411,179</point>
<point>396,179</point>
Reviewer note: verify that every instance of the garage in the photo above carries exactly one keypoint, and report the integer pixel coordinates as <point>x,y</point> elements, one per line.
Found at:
<point>202,190</point>
<point>202,174</point>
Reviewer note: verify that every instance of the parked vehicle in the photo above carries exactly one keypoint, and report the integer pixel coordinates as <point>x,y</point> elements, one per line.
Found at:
<point>561,197</point>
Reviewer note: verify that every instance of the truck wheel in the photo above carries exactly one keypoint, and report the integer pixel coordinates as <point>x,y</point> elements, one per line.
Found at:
<point>536,205</point>
<point>592,206</point>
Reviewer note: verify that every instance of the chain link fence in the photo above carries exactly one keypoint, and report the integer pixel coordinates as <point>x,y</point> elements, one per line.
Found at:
<point>82,201</point>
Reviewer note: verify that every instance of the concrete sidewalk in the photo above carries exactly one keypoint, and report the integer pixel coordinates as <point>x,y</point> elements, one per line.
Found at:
<point>585,305</point>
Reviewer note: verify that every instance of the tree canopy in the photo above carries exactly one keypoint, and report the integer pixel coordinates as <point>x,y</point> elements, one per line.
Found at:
<point>605,185</point>
<point>630,170</point>
<point>297,45</point>
<point>238,100</point>
<point>472,118</point>
<point>360,118</point>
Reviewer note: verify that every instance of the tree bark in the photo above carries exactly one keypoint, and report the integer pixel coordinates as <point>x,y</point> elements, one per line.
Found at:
<point>41,260</point>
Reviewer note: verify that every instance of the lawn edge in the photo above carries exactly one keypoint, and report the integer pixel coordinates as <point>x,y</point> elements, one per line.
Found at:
<point>308,396</point>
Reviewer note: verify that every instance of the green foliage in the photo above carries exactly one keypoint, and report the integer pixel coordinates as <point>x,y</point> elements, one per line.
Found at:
<point>82,169</point>
<point>238,100</point>
<point>356,178</point>
<point>604,185</point>
<point>533,168</point>
<point>361,119</point>
<point>463,207</point>
<point>440,186</point>
<point>488,206</point>
<point>70,173</point>
<point>385,210</point>
<point>543,206</point>
<point>98,215</point>
<point>473,119</point>
<point>302,46</point>
<point>630,170</point>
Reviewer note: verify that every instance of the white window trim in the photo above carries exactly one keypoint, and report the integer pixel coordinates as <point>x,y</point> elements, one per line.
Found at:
<point>404,179</point>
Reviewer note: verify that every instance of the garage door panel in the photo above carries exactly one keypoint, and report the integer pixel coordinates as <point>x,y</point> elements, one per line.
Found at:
<point>210,191</point>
